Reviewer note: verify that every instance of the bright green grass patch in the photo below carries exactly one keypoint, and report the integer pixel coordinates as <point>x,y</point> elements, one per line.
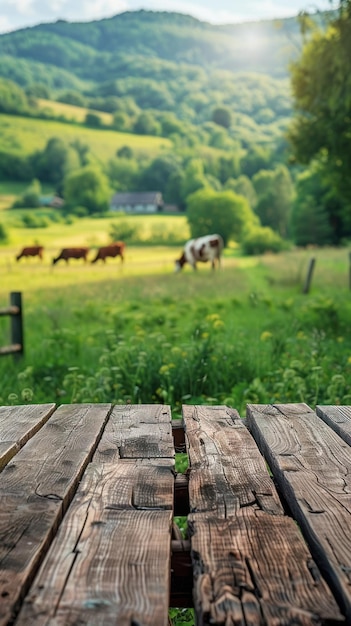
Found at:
<point>24,135</point>
<point>72,112</point>
<point>92,232</point>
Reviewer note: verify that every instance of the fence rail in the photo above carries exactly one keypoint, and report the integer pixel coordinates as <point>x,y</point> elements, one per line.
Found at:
<point>15,312</point>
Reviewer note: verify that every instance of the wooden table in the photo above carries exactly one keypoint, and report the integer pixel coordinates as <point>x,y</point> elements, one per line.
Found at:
<point>89,494</point>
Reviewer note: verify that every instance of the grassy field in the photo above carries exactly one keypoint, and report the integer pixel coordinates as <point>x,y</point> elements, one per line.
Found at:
<point>25,135</point>
<point>72,112</point>
<point>140,333</point>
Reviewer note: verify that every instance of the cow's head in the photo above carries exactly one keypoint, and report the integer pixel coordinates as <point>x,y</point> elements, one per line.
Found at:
<point>179,263</point>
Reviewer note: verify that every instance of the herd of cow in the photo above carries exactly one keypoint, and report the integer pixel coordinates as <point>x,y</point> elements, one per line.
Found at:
<point>202,249</point>
<point>112,250</point>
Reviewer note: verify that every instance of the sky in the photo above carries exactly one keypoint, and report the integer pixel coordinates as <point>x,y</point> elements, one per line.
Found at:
<point>16,14</point>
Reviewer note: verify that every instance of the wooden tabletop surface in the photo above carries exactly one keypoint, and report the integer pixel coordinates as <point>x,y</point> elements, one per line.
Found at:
<point>89,495</point>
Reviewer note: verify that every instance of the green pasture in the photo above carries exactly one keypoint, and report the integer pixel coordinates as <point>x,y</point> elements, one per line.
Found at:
<point>72,112</point>
<point>90,232</point>
<point>138,332</point>
<point>24,135</point>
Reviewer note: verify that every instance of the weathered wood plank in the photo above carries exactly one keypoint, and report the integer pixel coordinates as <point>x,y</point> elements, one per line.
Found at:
<point>250,563</point>
<point>36,488</point>
<point>338,418</point>
<point>227,472</point>
<point>110,560</point>
<point>255,569</point>
<point>312,466</point>
<point>144,430</point>
<point>17,425</point>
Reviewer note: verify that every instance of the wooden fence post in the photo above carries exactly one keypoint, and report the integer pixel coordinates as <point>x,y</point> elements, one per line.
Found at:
<point>309,276</point>
<point>14,310</point>
<point>17,321</point>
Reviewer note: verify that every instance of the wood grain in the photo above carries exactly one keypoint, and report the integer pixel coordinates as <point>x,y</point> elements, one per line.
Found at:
<point>312,466</point>
<point>250,563</point>
<point>110,561</point>
<point>36,488</point>
<point>17,425</point>
<point>338,418</point>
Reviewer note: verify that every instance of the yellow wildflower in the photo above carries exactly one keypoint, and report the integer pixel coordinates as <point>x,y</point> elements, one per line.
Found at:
<point>266,335</point>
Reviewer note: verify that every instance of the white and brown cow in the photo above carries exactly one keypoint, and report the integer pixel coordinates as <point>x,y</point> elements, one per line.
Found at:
<point>202,249</point>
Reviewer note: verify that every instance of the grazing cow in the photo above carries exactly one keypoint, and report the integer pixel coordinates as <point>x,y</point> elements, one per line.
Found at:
<point>113,250</point>
<point>71,253</point>
<point>208,248</point>
<point>31,251</point>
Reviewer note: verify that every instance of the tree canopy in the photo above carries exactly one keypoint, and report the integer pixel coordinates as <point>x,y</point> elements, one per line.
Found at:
<point>223,212</point>
<point>321,130</point>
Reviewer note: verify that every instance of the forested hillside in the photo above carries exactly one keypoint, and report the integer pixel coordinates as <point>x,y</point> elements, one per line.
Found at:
<point>163,61</point>
<point>222,97</point>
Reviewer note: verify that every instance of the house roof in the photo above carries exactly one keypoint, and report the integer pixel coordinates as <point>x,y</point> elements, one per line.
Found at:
<point>138,197</point>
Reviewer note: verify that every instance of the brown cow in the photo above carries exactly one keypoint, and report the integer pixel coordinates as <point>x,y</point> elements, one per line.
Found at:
<point>71,253</point>
<point>113,250</point>
<point>31,251</point>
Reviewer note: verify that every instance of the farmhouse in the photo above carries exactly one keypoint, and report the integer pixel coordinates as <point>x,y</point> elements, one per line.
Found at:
<point>138,202</point>
<point>52,201</point>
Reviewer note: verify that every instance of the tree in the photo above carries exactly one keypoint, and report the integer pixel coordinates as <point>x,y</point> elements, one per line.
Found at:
<point>30,199</point>
<point>223,212</point>
<point>146,124</point>
<point>243,187</point>
<point>222,116</point>
<point>321,83</point>
<point>72,97</point>
<point>125,152</point>
<point>12,98</point>
<point>94,120</point>
<point>55,161</point>
<point>275,194</point>
<point>193,178</point>
<point>87,187</point>
<point>256,159</point>
<point>123,173</point>
<point>159,172</point>
<point>3,234</point>
<point>315,215</point>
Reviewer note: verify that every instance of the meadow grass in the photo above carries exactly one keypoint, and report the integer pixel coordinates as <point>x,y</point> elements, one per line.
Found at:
<point>24,135</point>
<point>72,112</point>
<point>140,333</point>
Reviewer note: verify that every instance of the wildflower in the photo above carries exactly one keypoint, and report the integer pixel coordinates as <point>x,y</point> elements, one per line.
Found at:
<point>27,394</point>
<point>265,335</point>
<point>212,318</point>
<point>218,324</point>
<point>176,350</point>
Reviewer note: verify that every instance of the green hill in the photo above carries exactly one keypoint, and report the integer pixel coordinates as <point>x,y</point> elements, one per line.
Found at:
<point>162,61</point>
<point>23,136</point>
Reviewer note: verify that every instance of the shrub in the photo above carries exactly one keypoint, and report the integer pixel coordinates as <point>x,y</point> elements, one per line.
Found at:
<point>34,221</point>
<point>123,231</point>
<point>262,239</point>
<point>3,234</point>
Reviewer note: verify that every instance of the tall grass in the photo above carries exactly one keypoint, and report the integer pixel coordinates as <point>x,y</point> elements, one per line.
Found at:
<point>244,334</point>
